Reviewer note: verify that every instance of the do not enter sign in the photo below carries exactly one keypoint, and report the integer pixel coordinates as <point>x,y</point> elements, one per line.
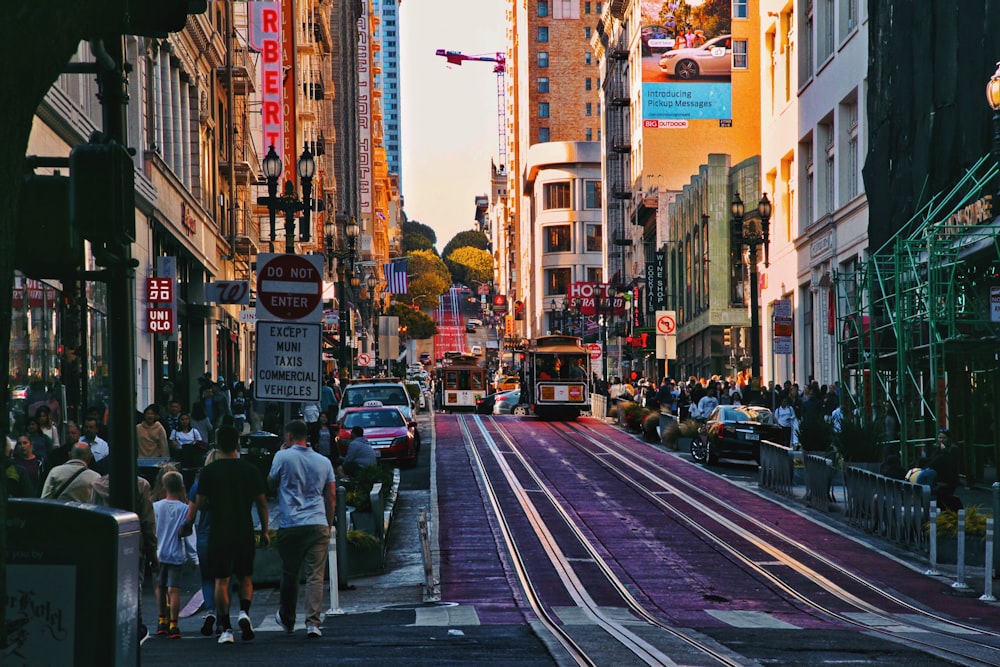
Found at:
<point>595,351</point>
<point>289,287</point>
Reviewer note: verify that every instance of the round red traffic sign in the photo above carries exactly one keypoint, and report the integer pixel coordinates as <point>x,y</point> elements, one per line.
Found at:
<point>595,351</point>
<point>290,287</point>
<point>666,324</point>
<point>364,359</point>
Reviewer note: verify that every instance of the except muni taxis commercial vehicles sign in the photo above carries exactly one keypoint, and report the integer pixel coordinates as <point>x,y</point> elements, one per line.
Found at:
<point>288,362</point>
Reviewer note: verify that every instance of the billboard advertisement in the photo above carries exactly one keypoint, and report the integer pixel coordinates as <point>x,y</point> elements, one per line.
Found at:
<point>687,57</point>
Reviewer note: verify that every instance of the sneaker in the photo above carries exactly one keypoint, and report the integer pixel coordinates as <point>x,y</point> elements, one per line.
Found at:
<point>226,637</point>
<point>143,634</point>
<point>288,630</point>
<point>246,627</point>
<point>313,632</point>
<point>208,625</point>
<point>162,628</point>
<point>175,632</point>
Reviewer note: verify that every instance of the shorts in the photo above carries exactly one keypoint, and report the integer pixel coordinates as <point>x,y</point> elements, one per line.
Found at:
<point>170,575</point>
<point>233,558</point>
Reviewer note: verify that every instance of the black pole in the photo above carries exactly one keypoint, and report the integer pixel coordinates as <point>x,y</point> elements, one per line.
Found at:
<point>289,230</point>
<point>345,372</point>
<point>121,328</point>
<point>755,381</point>
<point>272,212</point>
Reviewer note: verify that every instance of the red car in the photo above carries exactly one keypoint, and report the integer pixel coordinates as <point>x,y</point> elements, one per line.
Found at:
<point>386,429</point>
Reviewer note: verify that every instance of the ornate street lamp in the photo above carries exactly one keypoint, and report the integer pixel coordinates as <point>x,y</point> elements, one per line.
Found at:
<point>271,166</point>
<point>748,233</point>
<point>343,258</point>
<point>288,203</point>
<point>372,282</point>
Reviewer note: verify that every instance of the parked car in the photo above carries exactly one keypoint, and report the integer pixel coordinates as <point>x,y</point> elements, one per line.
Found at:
<point>484,404</point>
<point>713,58</point>
<point>391,435</point>
<point>470,328</point>
<point>735,431</point>
<point>509,403</point>
<point>387,393</point>
<point>476,322</point>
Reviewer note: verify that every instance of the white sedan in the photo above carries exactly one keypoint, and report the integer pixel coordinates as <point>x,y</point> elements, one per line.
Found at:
<point>713,58</point>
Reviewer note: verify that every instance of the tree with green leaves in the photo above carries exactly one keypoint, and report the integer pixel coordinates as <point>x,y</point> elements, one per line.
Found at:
<point>413,227</point>
<point>470,265</point>
<point>472,238</point>
<point>429,279</point>
<point>416,241</point>
<point>419,325</point>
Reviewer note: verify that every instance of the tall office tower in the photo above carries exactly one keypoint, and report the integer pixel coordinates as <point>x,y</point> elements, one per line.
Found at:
<point>387,79</point>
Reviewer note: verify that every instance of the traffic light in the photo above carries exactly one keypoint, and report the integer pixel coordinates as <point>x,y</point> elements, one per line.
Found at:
<point>102,193</point>
<point>743,338</point>
<point>156,18</point>
<point>727,337</point>
<point>47,242</point>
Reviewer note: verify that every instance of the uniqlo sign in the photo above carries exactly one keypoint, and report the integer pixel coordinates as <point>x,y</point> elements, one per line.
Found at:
<point>160,320</point>
<point>159,290</point>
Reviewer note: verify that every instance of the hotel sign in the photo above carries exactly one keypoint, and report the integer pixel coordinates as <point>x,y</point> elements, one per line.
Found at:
<point>975,213</point>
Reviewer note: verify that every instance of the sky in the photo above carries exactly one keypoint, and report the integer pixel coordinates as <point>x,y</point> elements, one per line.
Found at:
<point>448,112</point>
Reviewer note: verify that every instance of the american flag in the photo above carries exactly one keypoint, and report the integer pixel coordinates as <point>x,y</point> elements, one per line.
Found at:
<point>396,278</point>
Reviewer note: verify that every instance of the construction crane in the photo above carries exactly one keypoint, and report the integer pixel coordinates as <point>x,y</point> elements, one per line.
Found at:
<point>500,69</point>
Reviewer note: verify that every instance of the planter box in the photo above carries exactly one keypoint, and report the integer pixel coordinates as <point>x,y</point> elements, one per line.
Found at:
<point>975,550</point>
<point>364,561</point>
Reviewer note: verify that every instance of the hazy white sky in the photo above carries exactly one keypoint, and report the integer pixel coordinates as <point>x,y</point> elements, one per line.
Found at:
<point>448,113</point>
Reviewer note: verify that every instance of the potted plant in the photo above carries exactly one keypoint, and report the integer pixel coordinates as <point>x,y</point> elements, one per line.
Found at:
<point>651,426</point>
<point>858,442</point>
<point>947,536</point>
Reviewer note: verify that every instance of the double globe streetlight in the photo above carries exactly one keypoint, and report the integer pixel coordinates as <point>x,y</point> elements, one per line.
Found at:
<point>753,233</point>
<point>344,258</point>
<point>288,202</point>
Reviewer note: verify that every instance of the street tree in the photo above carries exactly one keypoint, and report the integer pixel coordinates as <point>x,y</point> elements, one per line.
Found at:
<point>419,325</point>
<point>416,241</point>
<point>470,265</point>
<point>413,227</point>
<point>472,238</point>
<point>429,279</point>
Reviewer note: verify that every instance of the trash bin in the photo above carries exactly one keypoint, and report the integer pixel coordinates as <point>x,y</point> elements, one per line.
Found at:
<point>259,448</point>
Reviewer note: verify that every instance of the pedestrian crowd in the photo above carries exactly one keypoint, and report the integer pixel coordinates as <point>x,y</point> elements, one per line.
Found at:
<point>213,521</point>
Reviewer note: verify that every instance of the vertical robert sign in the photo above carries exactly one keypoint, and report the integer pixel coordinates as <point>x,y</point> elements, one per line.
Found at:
<point>289,309</point>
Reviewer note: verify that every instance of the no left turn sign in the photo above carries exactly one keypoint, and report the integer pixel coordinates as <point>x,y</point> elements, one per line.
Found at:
<point>666,322</point>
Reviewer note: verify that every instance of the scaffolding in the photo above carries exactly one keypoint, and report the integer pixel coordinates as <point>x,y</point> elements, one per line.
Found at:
<point>918,348</point>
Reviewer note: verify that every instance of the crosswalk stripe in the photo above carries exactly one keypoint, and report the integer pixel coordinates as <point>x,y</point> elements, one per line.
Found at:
<point>750,619</point>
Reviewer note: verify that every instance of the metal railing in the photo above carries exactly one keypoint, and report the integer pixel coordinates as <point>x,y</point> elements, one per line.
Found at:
<point>892,508</point>
<point>819,474</point>
<point>777,468</point>
<point>598,406</point>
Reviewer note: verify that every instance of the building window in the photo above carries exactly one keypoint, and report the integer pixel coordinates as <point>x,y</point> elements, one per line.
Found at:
<point>586,33</point>
<point>557,281</point>
<point>587,58</point>
<point>543,84</point>
<point>851,160</point>
<point>589,109</point>
<point>543,34</point>
<point>556,195</point>
<point>595,237</point>
<point>588,84</point>
<point>597,7</point>
<point>589,134</point>
<point>543,135</point>
<point>586,8</point>
<point>543,59</point>
<point>740,9</point>
<point>557,238</point>
<point>543,110</point>
<point>543,7</point>
<point>595,275</point>
<point>740,56</point>
<point>592,193</point>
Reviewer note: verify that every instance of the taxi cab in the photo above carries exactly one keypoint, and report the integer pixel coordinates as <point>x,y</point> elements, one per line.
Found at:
<point>509,382</point>
<point>390,434</point>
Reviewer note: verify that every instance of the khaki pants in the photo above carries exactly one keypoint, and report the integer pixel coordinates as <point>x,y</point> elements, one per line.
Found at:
<point>302,548</point>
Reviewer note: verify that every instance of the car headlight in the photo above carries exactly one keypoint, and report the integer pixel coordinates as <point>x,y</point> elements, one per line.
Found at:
<point>401,441</point>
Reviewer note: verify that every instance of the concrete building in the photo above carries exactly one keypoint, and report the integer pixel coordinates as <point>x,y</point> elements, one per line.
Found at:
<point>387,80</point>
<point>564,234</point>
<point>662,119</point>
<point>814,128</point>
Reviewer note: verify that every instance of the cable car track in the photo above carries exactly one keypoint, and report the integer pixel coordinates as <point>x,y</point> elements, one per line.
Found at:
<point>629,640</point>
<point>682,490</point>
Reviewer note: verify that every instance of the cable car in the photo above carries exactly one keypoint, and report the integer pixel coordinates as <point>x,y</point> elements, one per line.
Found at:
<point>556,373</point>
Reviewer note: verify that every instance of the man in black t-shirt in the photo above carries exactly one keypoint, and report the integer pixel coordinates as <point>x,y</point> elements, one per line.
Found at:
<point>229,488</point>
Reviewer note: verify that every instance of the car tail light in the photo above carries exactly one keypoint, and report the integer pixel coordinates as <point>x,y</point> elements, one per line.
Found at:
<point>501,399</point>
<point>729,431</point>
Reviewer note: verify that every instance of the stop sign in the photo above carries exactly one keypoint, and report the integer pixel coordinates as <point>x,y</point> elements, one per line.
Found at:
<point>289,287</point>
<point>595,351</point>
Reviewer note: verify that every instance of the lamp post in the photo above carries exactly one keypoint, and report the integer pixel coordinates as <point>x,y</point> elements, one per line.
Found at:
<point>372,283</point>
<point>993,97</point>
<point>288,203</point>
<point>554,316</point>
<point>753,236</point>
<point>344,257</point>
